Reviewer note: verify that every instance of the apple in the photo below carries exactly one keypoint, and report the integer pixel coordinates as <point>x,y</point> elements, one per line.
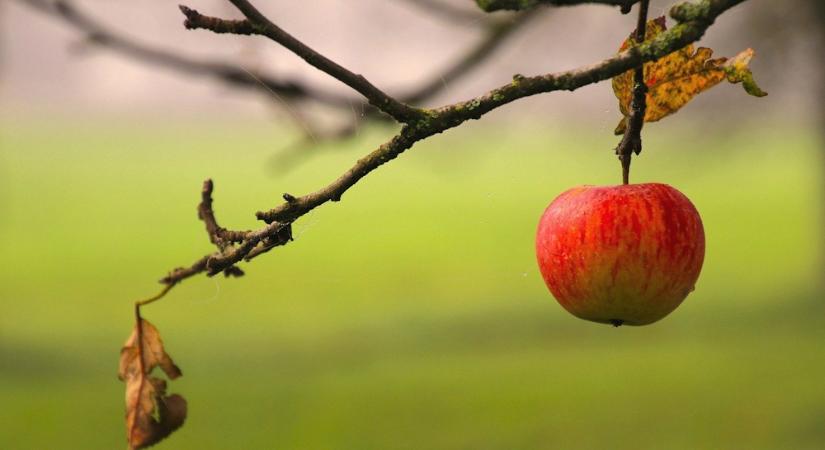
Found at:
<point>626,254</point>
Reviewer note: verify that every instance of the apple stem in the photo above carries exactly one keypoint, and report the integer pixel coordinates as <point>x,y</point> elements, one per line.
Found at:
<point>632,140</point>
<point>625,159</point>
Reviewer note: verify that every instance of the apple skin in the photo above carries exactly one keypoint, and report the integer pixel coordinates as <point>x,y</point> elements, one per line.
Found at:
<point>626,254</point>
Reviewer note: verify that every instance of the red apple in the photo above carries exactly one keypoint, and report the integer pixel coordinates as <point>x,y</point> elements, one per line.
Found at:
<point>626,254</point>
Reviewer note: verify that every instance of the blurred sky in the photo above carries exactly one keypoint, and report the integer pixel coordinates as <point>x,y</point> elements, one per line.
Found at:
<point>47,71</point>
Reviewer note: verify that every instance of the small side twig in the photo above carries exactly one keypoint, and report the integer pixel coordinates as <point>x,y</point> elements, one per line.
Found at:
<point>218,235</point>
<point>250,243</point>
<point>632,140</point>
<point>253,244</point>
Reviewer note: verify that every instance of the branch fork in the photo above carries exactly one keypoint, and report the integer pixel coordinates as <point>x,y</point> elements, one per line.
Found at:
<point>257,23</point>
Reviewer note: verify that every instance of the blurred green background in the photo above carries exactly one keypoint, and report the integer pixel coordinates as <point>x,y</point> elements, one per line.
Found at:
<point>411,315</point>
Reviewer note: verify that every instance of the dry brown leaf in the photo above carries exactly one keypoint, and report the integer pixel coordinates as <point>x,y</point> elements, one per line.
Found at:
<point>151,415</point>
<point>675,79</point>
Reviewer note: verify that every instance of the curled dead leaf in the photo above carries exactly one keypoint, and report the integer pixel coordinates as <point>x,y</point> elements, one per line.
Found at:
<point>737,71</point>
<point>151,414</point>
<point>674,80</point>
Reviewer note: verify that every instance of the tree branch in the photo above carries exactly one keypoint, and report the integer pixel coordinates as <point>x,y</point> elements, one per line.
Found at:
<point>521,5</point>
<point>694,20</point>
<point>632,140</point>
<point>98,34</point>
<point>249,243</point>
<point>257,23</point>
<point>448,117</point>
<point>497,34</point>
<point>286,90</point>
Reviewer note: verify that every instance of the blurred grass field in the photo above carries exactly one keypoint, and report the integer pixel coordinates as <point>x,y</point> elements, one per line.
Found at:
<point>411,315</point>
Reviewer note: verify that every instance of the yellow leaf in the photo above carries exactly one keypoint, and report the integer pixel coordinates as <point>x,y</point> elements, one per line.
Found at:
<point>151,415</point>
<point>675,79</point>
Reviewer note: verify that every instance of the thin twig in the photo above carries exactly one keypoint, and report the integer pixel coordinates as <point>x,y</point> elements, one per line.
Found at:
<point>288,92</point>
<point>218,235</point>
<point>497,34</point>
<point>98,34</point>
<point>153,298</point>
<point>252,244</point>
<point>207,215</point>
<point>141,360</point>
<point>632,140</point>
<point>257,23</point>
<point>521,5</point>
